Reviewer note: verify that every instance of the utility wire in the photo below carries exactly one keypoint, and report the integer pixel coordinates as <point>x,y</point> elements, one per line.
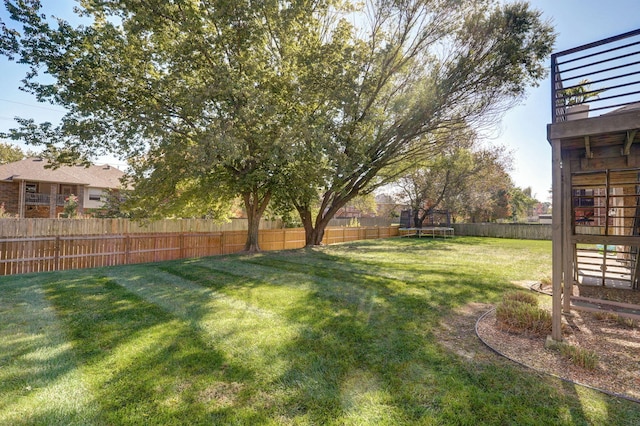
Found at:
<point>32,105</point>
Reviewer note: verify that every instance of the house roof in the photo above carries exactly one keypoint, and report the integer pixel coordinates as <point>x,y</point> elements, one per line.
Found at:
<point>629,107</point>
<point>33,170</point>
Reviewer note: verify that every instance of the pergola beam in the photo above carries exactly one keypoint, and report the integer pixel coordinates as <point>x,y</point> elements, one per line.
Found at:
<point>631,135</point>
<point>587,147</point>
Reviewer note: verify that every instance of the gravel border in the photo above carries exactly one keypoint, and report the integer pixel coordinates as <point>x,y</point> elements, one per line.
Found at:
<point>497,351</point>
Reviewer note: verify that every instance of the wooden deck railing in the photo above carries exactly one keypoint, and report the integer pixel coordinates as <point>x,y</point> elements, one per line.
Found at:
<point>57,253</point>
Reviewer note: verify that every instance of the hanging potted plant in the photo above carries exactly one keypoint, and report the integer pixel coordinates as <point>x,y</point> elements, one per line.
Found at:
<point>575,99</point>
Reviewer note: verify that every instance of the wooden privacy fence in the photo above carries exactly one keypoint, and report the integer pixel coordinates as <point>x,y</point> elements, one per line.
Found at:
<point>51,227</point>
<point>60,252</point>
<point>521,231</point>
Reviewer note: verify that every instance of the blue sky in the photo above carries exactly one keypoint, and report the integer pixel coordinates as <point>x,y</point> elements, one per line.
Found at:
<point>522,130</point>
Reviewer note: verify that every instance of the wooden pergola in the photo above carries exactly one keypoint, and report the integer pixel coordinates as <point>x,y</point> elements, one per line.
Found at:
<point>596,178</point>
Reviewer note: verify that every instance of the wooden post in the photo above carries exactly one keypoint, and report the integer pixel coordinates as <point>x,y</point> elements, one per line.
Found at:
<point>568,246</point>
<point>127,249</point>
<point>56,259</point>
<point>556,245</point>
<point>22,193</point>
<point>53,201</point>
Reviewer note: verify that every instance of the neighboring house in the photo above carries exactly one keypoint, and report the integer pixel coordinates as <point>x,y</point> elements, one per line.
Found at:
<point>29,189</point>
<point>349,212</point>
<point>387,206</point>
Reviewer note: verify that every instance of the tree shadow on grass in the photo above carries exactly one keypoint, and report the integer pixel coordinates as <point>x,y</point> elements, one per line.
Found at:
<point>143,364</point>
<point>366,353</point>
<point>413,379</point>
<point>35,358</point>
<point>353,344</point>
<point>439,286</point>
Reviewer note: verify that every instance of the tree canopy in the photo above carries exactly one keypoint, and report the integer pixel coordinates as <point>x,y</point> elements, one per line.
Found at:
<point>200,97</point>
<point>414,72</point>
<point>10,153</point>
<point>312,102</point>
<point>447,180</point>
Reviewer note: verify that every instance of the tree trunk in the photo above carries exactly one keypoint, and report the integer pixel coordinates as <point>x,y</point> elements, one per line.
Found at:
<point>417,220</point>
<point>317,234</point>
<point>307,223</point>
<point>252,244</point>
<point>330,205</point>
<point>312,234</point>
<point>255,206</point>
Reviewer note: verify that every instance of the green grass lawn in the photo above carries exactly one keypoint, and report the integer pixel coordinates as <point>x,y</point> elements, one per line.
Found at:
<point>338,335</point>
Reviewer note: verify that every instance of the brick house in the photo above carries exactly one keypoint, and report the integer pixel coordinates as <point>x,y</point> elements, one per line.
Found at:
<point>30,190</point>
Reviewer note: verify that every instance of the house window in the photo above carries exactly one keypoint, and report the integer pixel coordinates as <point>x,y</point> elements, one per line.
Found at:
<point>66,190</point>
<point>583,203</point>
<point>95,195</point>
<point>31,188</point>
<point>583,198</point>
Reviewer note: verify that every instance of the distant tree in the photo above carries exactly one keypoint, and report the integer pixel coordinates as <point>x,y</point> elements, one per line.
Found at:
<point>10,153</point>
<point>388,205</point>
<point>486,197</point>
<point>543,207</point>
<point>521,202</point>
<point>448,176</point>
<point>112,205</point>
<point>364,204</point>
<point>70,208</point>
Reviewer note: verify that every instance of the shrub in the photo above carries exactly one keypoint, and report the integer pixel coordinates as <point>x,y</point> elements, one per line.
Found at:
<point>579,356</point>
<point>4,214</point>
<point>605,316</point>
<point>519,312</point>
<point>627,322</point>
<point>545,282</point>
<point>615,318</point>
<point>70,208</point>
<point>521,296</point>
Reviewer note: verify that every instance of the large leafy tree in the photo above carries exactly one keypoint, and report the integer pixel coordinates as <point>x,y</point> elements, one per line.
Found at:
<point>202,97</point>
<point>414,69</point>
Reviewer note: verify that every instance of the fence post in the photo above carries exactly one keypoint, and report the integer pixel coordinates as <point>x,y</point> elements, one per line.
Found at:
<point>56,248</point>
<point>127,249</point>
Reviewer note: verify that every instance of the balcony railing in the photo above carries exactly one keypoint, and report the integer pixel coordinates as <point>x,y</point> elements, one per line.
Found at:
<point>604,74</point>
<point>60,199</point>
<point>35,198</point>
